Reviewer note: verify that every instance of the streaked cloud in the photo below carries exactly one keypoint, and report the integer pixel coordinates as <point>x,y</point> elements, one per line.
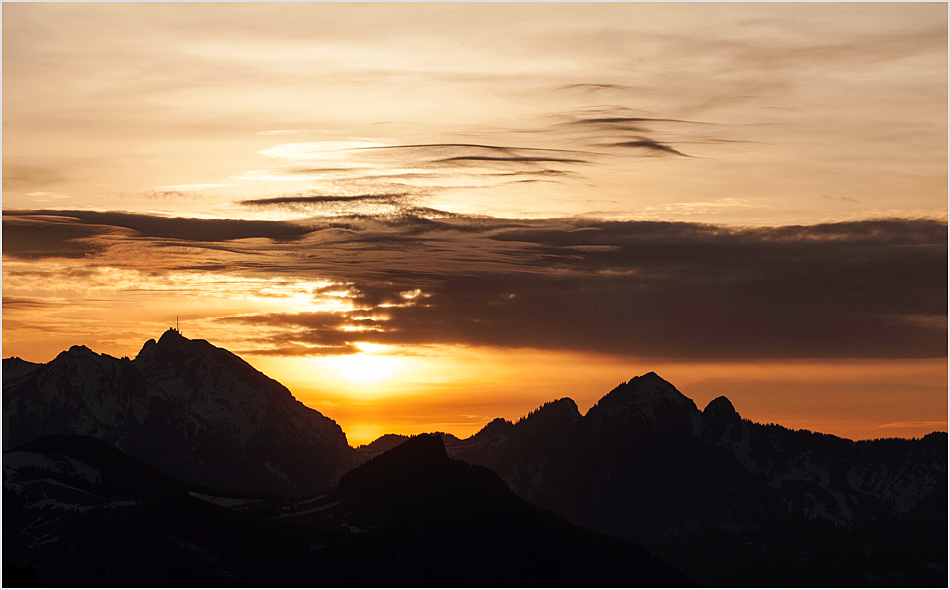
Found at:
<point>656,289</point>
<point>190,187</point>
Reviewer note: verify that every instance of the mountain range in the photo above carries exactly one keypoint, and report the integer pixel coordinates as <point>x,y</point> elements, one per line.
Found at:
<point>605,498</point>
<point>193,410</point>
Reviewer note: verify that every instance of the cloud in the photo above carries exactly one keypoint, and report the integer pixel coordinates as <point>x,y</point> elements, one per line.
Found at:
<point>612,126</point>
<point>670,290</point>
<point>624,121</point>
<point>626,288</point>
<point>510,159</point>
<point>23,176</point>
<point>280,132</point>
<point>649,145</point>
<point>318,199</point>
<point>191,187</point>
<point>361,161</point>
<point>25,303</point>
<point>595,87</point>
<point>78,234</point>
<point>839,198</point>
<point>33,237</point>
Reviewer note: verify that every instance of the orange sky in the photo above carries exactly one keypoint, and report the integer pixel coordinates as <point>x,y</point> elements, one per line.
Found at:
<point>425,216</point>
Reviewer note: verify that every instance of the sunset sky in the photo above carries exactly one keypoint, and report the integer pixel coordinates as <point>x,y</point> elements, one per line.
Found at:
<point>422,217</point>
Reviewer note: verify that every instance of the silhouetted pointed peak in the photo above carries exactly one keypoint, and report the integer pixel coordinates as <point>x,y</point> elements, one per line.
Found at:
<point>718,416</point>
<point>649,389</point>
<point>647,400</point>
<point>650,379</point>
<point>721,406</point>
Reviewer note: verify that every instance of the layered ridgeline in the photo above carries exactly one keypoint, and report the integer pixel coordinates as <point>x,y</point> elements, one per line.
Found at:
<point>728,501</point>
<point>184,406</point>
<point>725,500</point>
<point>79,512</point>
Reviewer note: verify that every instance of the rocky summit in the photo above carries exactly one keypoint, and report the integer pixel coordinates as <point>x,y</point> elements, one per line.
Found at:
<point>187,407</point>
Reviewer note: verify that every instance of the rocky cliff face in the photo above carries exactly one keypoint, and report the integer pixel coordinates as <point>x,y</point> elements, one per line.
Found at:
<point>184,406</point>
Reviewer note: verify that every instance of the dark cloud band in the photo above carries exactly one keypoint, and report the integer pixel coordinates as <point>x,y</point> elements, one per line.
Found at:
<point>863,289</point>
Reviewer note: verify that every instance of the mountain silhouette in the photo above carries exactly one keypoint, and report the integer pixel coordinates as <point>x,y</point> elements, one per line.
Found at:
<point>79,512</point>
<point>190,456</point>
<point>420,518</point>
<point>728,501</point>
<point>189,408</point>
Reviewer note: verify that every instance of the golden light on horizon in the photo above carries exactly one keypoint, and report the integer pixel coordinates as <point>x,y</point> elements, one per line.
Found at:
<point>368,367</point>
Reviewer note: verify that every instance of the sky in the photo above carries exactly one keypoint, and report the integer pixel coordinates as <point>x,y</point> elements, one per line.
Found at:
<point>421,217</point>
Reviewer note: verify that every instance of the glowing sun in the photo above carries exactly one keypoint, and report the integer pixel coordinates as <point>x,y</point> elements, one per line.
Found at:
<point>366,368</point>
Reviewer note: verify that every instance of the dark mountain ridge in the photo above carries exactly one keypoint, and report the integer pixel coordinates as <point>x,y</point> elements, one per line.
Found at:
<point>421,518</point>
<point>184,406</point>
<point>79,512</point>
<point>707,488</point>
<point>726,500</point>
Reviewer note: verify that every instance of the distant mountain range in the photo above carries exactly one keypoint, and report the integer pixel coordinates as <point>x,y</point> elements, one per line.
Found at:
<point>728,501</point>
<point>725,500</point>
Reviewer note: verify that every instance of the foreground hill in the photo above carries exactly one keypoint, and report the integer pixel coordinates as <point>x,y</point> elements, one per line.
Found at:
<point>191,409</point>
<point>78,512</point>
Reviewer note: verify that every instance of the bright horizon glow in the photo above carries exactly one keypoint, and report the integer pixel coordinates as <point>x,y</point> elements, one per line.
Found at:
<point>365,368</point>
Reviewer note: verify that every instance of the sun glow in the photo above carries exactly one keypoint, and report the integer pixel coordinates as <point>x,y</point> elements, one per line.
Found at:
<point>366,368</point>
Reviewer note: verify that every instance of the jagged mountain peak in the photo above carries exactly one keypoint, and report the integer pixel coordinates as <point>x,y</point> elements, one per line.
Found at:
<point>173,347</point>
<point>80,352</point>
<point>79,356</point>
<point>646,390</point>
<point>646,403</point>
<point>184,405</point>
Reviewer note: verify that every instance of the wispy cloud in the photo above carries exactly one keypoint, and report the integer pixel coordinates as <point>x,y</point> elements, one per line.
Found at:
<point>191,187</point>
<point>427,165</point>
<point>649,146</point>
<point>280,132</point>
<point>77,234</point>
<point>839,198</point>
